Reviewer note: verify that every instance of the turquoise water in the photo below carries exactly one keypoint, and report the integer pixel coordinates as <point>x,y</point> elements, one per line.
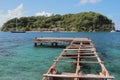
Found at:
<point>20,60</point>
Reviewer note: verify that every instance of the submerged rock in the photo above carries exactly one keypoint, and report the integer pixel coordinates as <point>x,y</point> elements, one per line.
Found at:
<point>5,53</point>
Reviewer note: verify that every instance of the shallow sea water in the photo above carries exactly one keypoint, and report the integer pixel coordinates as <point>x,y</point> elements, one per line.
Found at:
<point>20,60</point>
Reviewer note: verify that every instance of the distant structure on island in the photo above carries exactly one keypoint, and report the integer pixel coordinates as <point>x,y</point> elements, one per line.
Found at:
<point>117,30</point>
<point>113,31</point>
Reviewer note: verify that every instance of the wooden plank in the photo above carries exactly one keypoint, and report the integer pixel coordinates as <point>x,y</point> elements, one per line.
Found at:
<point>83,54</point>
<point>77,57</point>
<point>90,49</point>
<point>89,62</point>
<point>104,70</point>
<point>78,64</point>
<point>91,76</point>
<point>59,40</point>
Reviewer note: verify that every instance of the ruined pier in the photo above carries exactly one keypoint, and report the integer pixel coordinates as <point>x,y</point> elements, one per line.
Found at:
<point>80,51</point>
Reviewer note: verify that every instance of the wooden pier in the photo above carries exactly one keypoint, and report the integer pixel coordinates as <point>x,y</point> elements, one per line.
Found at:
<point>78,50</point>
<point>55,41</point>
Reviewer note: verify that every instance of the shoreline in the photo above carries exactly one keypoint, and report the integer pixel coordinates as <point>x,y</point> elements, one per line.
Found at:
<point>64,31</point>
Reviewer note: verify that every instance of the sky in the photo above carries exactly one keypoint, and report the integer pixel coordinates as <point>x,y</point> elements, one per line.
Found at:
<point>23,8</point>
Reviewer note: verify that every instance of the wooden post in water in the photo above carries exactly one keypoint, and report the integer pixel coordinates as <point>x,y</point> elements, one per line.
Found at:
<point>35,42</point>
<point>52,44</point>
<point>41,44</point>
<point>56,44</point>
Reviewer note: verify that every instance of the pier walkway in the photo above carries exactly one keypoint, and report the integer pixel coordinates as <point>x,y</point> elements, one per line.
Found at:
<point>55,41</point>
<point>80,51</point>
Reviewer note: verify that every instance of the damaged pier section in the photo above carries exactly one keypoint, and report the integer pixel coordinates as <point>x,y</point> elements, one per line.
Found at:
<point>80,51</point>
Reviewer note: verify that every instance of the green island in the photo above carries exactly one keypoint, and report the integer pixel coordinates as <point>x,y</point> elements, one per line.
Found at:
<point>81,22</point>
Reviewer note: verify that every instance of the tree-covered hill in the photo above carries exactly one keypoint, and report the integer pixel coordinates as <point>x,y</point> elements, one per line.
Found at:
<point>85,21</point>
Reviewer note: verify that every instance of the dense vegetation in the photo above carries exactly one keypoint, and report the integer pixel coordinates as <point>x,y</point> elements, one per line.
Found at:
<point>85,21</point>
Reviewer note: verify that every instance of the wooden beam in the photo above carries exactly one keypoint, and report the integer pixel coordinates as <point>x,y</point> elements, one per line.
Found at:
<point>78,57</point>
<point>90,62</point>
<point>91,76</point>
<point>104,70</point>
<point>80,54</point>
<point>90,49</point>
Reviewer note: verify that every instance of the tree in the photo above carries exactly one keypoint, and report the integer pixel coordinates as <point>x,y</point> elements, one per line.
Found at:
<point>84,21</point>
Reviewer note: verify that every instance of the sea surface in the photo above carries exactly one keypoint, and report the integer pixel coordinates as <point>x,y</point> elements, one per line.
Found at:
<point>20,60</point>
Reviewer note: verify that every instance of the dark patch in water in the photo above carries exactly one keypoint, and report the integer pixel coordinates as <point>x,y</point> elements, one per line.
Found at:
<point>9,47</point>
<point>101,50</point>
<point>5,53</point>
<point>104,54</point>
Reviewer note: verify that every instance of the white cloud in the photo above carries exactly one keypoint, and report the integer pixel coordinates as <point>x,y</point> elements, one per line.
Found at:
<point>83,2</point>
<point>17,12</point>
<point>43,14</point>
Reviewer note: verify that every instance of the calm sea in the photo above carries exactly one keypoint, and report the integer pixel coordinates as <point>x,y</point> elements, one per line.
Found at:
<point>20,60</point>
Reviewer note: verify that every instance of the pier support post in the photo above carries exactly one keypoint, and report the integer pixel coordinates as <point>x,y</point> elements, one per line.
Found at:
<point>35,44</point>
<point>54,44</point>
<point>41,44</point>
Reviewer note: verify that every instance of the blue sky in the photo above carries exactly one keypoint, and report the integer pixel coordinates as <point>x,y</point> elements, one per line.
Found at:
<point>18,8</point>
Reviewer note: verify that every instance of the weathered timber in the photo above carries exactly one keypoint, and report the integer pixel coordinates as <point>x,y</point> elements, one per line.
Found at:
<point>48,40</point>
<point>88,76</point>
<point>78,57</point>
<point>90,62</point>
<point>77,49</point>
